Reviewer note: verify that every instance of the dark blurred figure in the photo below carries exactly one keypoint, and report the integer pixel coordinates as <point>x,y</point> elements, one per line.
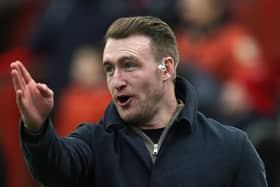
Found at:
<point>224,62</point>
<point>65,26</point>
<point>9,9</point>
<point>86,96</point>
<point>269,150</point>
<point>163,9</point>
<point>16,20</point>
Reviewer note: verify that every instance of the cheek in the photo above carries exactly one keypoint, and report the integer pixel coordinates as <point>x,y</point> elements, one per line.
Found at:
<point>109,86</point>
<point>149,87</point>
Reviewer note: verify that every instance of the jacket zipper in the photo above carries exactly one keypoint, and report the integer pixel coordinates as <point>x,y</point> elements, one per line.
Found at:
<point>155,148</point>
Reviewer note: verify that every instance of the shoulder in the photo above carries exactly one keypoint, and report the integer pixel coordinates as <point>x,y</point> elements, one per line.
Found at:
<point>236,150</point>
<point>232,144</point>
<point>221,134</point>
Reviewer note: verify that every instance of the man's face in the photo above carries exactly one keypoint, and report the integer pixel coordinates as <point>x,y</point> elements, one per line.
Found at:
<point>133,78</point>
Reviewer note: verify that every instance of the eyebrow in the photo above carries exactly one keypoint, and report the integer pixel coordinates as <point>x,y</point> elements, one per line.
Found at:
<point>122,59</point>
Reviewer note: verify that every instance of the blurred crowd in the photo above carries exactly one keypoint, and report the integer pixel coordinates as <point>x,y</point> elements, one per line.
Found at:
<point>229,50</point>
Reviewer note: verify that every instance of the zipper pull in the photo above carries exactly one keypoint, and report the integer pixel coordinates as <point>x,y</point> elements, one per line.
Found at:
<point>155,151</point>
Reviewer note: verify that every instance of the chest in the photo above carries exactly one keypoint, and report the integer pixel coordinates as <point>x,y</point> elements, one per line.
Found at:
<point>180,162</point>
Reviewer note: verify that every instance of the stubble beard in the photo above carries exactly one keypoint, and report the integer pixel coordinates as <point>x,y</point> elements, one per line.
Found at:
<point>144,113</point>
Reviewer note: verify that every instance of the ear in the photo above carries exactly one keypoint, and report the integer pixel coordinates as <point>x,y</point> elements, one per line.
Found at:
<point>168,71</point>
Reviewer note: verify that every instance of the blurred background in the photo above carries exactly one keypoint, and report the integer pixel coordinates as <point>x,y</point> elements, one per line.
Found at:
<point>229,50</point>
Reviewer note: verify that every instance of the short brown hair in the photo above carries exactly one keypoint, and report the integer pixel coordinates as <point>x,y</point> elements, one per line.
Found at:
<point>162,36</point>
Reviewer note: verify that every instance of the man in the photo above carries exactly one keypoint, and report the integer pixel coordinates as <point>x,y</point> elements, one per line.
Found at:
<point>151,134</point>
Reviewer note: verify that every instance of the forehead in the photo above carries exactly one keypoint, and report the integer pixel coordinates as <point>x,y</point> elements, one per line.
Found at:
<point>135,45</point>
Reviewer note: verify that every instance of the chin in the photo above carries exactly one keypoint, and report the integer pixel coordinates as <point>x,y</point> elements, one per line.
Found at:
<point>132,116</point>
<point>130,119</point>
<point>127,118</point>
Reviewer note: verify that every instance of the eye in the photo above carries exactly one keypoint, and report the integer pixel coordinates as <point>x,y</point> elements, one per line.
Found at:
<point>109,70</point>
<point>129,66</point>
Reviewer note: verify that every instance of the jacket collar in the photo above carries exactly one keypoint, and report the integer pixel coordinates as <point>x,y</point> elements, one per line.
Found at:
<point>184,91</point>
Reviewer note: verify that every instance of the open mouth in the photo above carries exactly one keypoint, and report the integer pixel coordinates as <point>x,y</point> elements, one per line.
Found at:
<point>123,100</point>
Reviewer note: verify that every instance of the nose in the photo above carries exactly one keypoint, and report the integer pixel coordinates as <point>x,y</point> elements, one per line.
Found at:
<point>117,81</point>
